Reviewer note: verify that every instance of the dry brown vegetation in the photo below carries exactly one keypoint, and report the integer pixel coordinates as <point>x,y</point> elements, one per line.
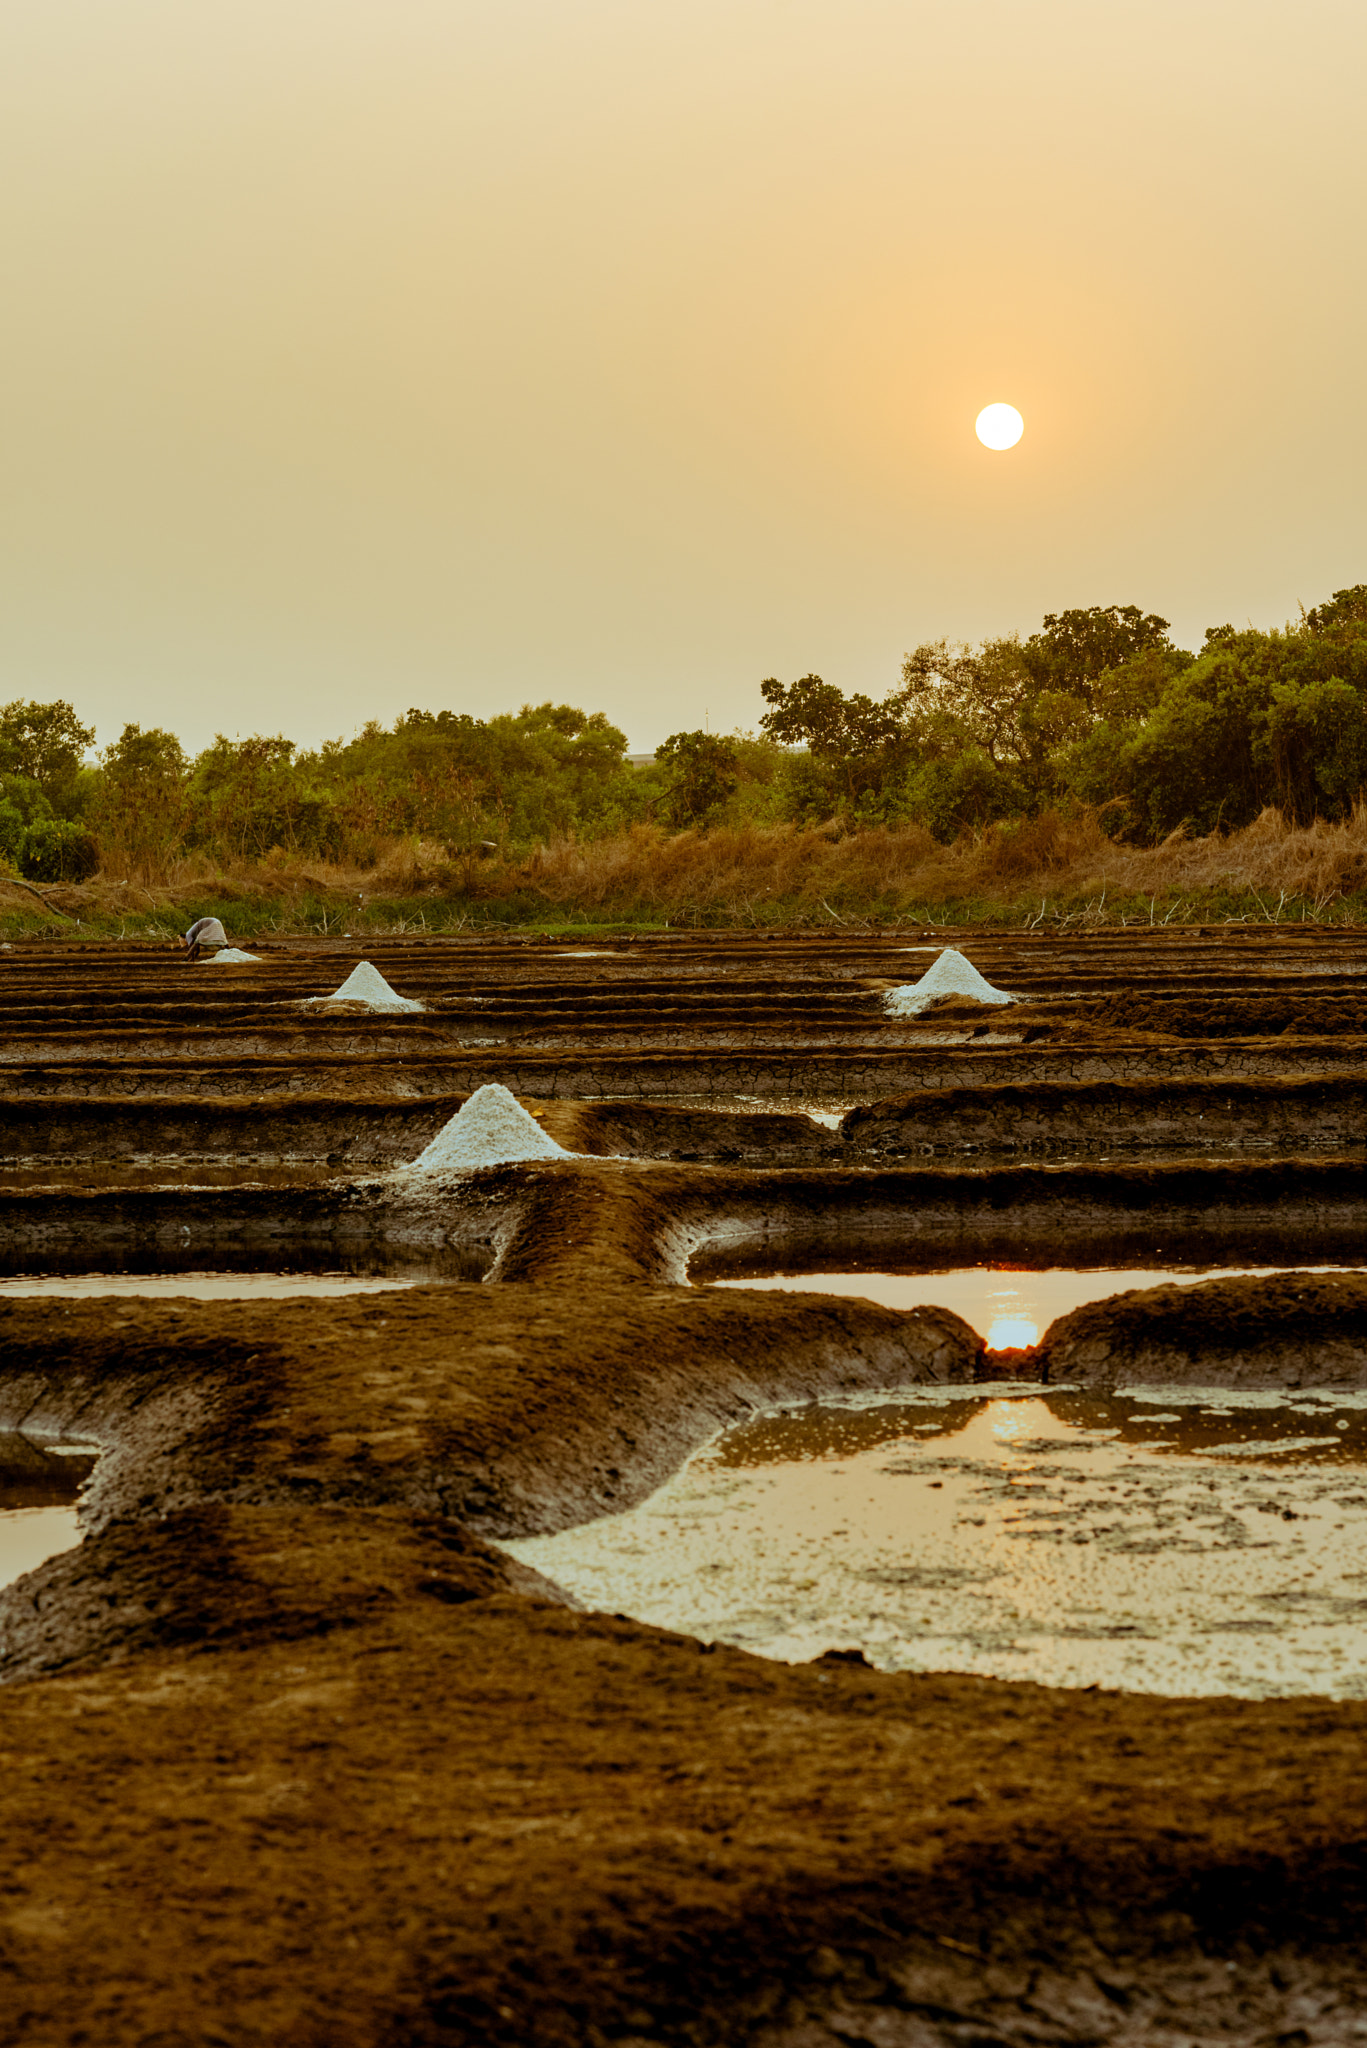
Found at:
<point>1039,869</point>
<point>1057,864</point>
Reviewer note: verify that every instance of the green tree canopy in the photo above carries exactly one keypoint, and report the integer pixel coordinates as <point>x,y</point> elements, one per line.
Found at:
<point>45,744</point>
<point>701,771</point>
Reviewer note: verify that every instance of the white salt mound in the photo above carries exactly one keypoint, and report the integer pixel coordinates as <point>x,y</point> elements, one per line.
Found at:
<point>490,1129</point>
<point>229,956</point>
<point>365,984</point>
<point>950,975</point>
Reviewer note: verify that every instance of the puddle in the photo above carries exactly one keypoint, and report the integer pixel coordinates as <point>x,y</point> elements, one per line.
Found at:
<point>1196,1542</point>
<point>39,1487</point>
<point>199,1286</point>
<point>1009,1306</point>
<point>824,1109</point>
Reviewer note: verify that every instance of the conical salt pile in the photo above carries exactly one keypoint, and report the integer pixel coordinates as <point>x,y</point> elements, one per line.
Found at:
<point>365,984</point>
<point>951,975</point>
<point>490,1129</point>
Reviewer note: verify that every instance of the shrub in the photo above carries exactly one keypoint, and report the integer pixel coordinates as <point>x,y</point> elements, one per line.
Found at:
<point>55,850</point>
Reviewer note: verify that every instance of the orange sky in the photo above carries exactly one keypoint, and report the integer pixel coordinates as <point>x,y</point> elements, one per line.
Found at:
<point>366,353</point>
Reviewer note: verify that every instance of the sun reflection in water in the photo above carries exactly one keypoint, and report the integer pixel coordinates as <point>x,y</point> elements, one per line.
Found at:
<point>1005,1419</point>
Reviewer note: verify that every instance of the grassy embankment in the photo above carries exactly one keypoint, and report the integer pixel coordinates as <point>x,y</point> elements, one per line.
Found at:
<point>1047,871</point>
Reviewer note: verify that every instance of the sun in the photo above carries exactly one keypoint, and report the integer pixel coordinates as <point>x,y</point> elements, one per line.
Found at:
<point>999,426</point>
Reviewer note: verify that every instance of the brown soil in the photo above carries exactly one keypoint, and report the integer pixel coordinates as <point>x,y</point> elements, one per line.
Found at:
<point>1294,1012</point>
<point>1282,1330</point>
<point>333,1771</point>
<point>293,1752</point>
<point>1294,1113</point>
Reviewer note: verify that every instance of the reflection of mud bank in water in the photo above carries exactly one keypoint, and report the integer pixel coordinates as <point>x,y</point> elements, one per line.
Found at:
<point>1206,1213</point>
<point>1009,1307</point>
<point>1196,1544</point>
<point>236,1272</point>
<point>316,1226</point>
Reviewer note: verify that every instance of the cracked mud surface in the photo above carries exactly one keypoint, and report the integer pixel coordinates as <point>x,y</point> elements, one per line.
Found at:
<point>294,1751</point>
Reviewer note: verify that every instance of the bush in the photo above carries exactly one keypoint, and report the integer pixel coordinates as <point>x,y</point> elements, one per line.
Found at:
<point>54,850</point>
<point>949,797</point>
<point>12,829</point>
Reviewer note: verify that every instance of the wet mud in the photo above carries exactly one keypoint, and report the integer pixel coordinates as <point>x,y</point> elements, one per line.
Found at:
<point>294,1750</point>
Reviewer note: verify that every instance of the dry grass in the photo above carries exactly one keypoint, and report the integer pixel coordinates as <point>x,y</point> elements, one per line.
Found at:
<point>1063,866</point>
<point>1051,868</point>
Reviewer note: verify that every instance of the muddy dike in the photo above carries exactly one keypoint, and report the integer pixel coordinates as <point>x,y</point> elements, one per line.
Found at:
<point>358,1129</point>
<point>355,1130</point>
<point>211,1401</point>
<point>1258,1331</point>
<point>1272,1114</point>
<point>854,1074</point>
<point>1283,1012</point>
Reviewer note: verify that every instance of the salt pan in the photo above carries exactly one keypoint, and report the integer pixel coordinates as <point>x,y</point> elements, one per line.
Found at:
<point>490,1129</point>
<point>365,984</point>
<point>950,975</point>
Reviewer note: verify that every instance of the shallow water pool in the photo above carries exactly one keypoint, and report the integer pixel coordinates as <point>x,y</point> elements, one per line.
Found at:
<point>200,1286</point>
<point>1188,1542</point>
<point>40,1485</point>
<point>1009,1306</point>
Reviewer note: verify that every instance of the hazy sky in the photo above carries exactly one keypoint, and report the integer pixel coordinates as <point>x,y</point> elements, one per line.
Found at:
<point>359,354</point>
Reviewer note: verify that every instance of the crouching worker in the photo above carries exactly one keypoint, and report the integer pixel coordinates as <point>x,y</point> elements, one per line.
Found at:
<point>204,932</point>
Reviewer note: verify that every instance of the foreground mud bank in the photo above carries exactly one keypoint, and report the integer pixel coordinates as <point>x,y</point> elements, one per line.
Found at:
<point>417,1809</point>
<point>294,1751</point>
<point>304,1712</point>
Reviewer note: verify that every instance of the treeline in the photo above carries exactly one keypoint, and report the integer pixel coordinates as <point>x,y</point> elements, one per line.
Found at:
<point>1098,711</point>
<point>510,782</point>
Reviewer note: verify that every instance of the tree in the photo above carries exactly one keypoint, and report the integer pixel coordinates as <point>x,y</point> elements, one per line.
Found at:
<point>1074,649</point>
<point>857,743</point>
<point>1259,719</point>
<point>1345,612</point>
<point>140,809</point>
<point>139,760</point>
<point>701,773</point>
<point>992,700</point>
<point>44,743</point>
<point>1316,734</point>
<point>519,777</point>
<point>249,796</point>
<point>1027,704</point>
